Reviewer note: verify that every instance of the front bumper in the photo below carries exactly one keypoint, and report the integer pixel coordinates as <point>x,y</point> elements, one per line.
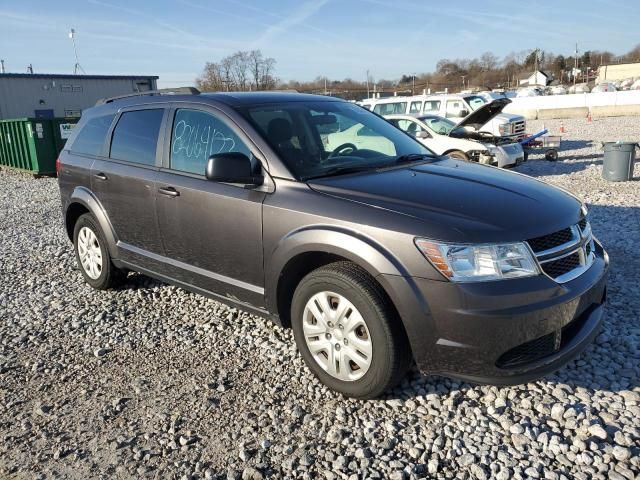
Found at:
<point>509,155</point>
<point>501,332</point>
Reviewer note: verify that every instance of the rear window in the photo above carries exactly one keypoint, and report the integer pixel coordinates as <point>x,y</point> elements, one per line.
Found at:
<point>90,138</point>
<point>135,137</point>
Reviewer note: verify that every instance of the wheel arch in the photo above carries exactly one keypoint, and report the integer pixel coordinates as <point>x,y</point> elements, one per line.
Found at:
<point>307,249</point>
<point>83,201</point>
<point>457,150</point>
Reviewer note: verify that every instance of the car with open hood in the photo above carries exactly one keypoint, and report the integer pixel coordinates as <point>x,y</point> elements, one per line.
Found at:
<point>375,257</point>
<point>445,137</point>
<point>455,107</point>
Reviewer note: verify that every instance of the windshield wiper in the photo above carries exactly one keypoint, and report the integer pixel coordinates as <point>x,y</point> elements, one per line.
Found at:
<point>412,157</point>
<point>342,170</point>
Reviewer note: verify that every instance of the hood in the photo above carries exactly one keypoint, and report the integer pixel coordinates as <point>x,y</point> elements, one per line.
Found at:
<point>458,201</point>
<point>484,114</point>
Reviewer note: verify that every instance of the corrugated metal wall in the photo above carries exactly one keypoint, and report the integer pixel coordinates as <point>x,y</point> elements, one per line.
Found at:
<point>22,96</point>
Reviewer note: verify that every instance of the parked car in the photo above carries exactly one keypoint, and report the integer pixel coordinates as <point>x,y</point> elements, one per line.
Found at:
<point>579,88</point>
<point>604,87</point>
<point>453,107</point>
<point>445,137</point>
<point>373,257</point>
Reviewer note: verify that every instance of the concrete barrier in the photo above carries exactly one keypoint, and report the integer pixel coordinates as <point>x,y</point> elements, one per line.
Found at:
<point>571,112</point>
<point>615,110</point>
<point>601,104</point>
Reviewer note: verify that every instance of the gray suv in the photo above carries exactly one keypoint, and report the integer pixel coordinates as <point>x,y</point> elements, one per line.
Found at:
<point>375,257</point>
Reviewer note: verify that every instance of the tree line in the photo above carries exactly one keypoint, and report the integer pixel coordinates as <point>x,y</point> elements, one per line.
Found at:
<point>252,71</point>
<point>241,71</point>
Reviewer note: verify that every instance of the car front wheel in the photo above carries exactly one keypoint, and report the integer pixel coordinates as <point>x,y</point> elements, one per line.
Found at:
<point>348,332</point>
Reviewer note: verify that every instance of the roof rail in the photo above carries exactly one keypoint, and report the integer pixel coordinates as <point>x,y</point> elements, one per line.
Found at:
<point>162,91</point>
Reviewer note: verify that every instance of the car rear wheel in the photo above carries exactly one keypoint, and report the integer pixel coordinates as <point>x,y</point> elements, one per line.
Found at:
<point>458,155</point>
<point>348,332</point>
<point>92,255</point>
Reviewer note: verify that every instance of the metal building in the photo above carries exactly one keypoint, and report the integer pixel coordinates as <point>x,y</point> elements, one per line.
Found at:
<point>52,95</point>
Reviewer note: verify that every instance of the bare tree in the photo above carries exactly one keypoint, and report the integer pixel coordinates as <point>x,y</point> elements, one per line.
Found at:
<point>239,71</point>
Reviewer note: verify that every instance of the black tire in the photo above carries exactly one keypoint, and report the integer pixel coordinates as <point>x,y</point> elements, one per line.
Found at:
<point>551,155</point>
<point>458,155</point>
<point>109,276</point>
<point>391,354</point>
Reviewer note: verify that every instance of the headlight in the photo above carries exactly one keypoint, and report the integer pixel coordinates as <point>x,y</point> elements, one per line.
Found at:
<point>476,263</point>
<point>493,151</point>
<point>504,129</point>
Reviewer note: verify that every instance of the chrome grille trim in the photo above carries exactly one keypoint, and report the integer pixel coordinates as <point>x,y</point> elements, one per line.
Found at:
<point>580,243</point>
<point>519,126</point>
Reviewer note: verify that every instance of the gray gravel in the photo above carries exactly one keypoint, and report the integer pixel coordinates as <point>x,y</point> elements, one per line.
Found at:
<point>150,381</point>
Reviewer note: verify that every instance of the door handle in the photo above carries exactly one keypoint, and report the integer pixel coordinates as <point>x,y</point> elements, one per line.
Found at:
<point>169,191</point>
<point>100,176</point>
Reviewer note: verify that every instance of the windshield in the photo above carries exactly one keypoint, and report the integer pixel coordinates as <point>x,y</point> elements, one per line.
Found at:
<point>475,102</point>
<point>321,138</point>
<point>440,125</point>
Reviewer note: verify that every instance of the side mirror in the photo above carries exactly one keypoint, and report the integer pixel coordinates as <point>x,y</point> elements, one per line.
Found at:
<point>232,167</point>
<point>463,113</point>
<point>422,134</point>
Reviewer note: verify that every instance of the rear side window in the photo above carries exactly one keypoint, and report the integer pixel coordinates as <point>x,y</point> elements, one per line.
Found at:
<point>415,107</point>
<point>431,106</point>
<point>198,135</point>
<point>91,137</point>
<point>135,137</point>
<point>390,108</point>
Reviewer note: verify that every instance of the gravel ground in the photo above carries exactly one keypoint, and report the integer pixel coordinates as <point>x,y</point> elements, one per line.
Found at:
<point>150,381</point>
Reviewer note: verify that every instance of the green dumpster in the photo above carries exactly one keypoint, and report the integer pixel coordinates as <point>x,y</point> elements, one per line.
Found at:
<point>62,128</point>
<point>28,144</point>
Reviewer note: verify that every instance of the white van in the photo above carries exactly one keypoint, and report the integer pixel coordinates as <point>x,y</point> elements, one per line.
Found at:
<point>453,107</point>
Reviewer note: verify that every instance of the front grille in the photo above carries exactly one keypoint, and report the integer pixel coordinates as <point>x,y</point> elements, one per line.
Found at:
<point>519,127</point>
<point>555,268</point>
<point>582,224</point>
<point>565,254</point>
<point>552,240</point>
<point>528,352</point>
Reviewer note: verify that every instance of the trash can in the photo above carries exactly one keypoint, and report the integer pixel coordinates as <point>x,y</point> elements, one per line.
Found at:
<point>619,157</point>
<point>28,144</point>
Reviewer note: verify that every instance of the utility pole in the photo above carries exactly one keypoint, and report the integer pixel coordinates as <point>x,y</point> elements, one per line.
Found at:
<point>575,68</point>
<point>463,77</point>
<point>2,66</point>
<point>325,85</point>
<point>367,83</point>
<point>413,86</point>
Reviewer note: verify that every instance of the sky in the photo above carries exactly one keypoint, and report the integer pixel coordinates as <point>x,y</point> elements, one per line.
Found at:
<point>308,38</point>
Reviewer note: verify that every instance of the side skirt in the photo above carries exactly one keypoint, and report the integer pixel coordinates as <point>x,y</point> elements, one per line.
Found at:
<point>200,291</point>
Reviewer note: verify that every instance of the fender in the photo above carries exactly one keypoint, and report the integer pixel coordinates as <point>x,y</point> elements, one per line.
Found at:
<point>85,197</point>
<point>352,245</point>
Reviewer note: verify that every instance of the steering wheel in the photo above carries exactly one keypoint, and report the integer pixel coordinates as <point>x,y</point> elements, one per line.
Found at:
<point>339,149</point>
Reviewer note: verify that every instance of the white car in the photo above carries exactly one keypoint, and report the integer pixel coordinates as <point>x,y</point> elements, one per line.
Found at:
<point>435,133</point>
<point>455,107</point>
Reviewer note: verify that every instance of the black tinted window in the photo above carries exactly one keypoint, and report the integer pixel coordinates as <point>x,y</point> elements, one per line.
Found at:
<point>136,136</point>
<point>198,135</point>
<point>91,137</point>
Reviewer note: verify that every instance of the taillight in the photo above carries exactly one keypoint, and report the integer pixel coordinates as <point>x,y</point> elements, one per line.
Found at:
<point>58,165</point>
